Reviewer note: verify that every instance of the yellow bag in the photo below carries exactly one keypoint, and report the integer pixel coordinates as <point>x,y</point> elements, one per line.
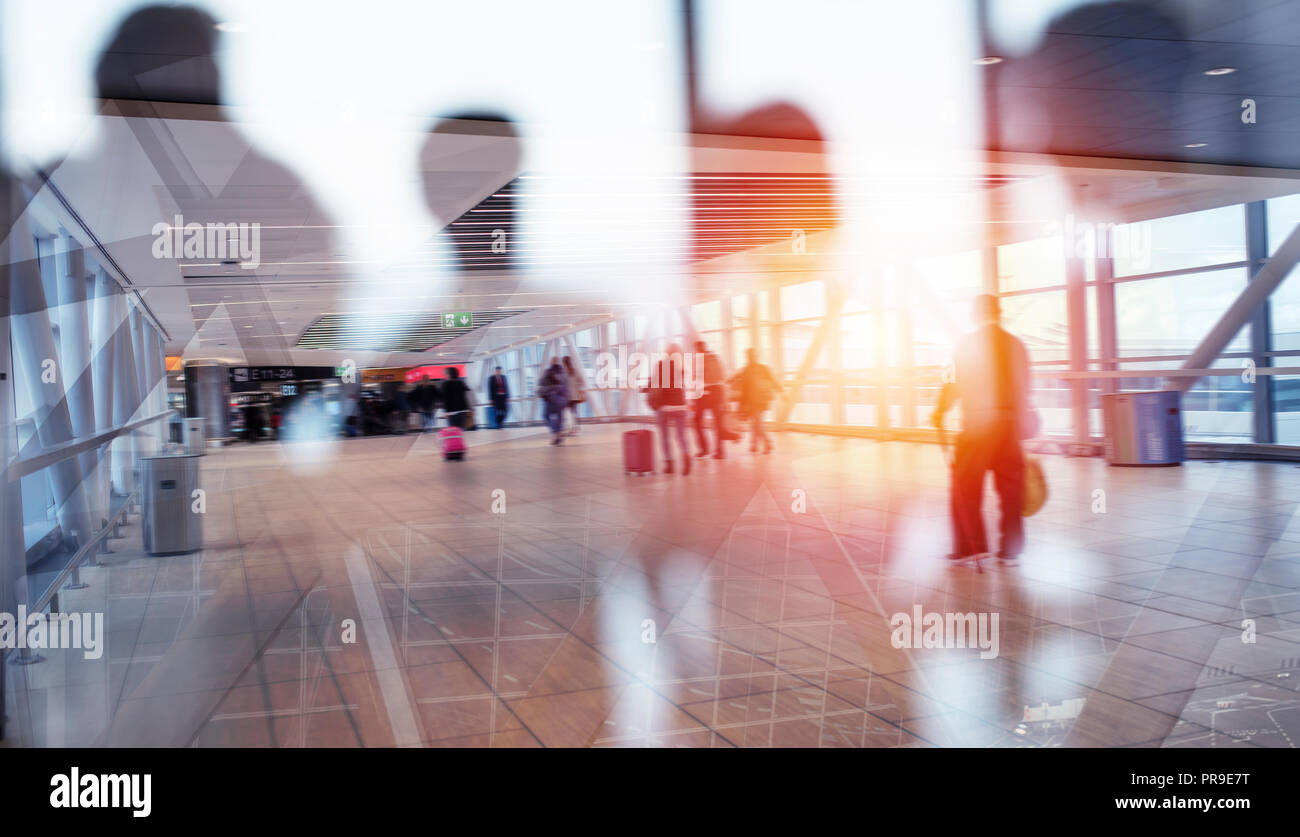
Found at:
<point>1035,487</point>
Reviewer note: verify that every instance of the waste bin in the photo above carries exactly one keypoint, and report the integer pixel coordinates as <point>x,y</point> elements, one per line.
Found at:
<point>1144,428</point>
<point>193,437</point>
<point>169,518</point>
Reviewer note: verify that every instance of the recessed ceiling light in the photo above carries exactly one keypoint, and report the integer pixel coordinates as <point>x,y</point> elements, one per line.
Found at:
<point>1220,71</point>
<point>1195,145</point>
<point>987,60</point>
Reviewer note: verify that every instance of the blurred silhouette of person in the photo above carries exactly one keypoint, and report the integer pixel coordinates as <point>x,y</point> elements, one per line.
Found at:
<point>553,389</point>
<point>252,423</point>
<point>470,161</point>
<point>499,396</point>
<point>667,396</point>
<point>427,401</point>
<point>577,392</point>
<point>991,380</point>
<point>167,54</point>
<point>758,386</point>
<point>713,400</point>
<point>455,396</point>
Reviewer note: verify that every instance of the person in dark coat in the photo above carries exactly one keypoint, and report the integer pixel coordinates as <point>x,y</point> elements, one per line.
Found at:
<point>991,379</point>
<point>499,396</point>
<point>455,397</point>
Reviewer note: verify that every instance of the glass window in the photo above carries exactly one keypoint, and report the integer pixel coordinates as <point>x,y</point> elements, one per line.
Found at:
<point>857,343</point>
<point>740,311</point>
<point>1038,263</point>
<point>739,343</point>
<point>802,301</point>
<point>1286,409</point>
<point>1196,239</point>
<point>1169,315</point>
<point>798,337</point>
<point>1283,214</point>
<point>707,316</point>
<point>1219,408</point>
<point>1039,319</point>
<point>956,276</point>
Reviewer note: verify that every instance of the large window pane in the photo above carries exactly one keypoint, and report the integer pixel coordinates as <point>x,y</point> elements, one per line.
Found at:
<point>802,301</point>
<point>1170,315</point>
<point>1219,408</point>
<point>1039,319</point>
<point>1196,239</point>
<point>1286,409</point>
<point>707,316</point>
<point>1038,263</point>
<point>1283,215</point>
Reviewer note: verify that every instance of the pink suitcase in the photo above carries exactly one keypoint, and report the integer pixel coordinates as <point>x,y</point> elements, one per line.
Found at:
<point>639,452</point>
<point>452,441</point>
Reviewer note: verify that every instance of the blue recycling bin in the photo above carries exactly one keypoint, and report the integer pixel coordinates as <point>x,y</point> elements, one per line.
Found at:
<point>1144,428</point>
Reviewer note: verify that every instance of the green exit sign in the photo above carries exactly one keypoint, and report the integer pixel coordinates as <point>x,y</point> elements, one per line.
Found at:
<point>458,319</point>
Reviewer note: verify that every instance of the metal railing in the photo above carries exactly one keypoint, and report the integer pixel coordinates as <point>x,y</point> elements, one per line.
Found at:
<point>71,572</point>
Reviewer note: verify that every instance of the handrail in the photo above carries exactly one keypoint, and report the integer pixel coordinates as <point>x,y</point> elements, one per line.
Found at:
<point>70,570</point>
<point>23,466</point>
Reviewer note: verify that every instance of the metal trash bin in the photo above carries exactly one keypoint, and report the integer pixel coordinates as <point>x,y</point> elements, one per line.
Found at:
<point>167,516</point>
<point>1144,428</point>
<point>193,437</point>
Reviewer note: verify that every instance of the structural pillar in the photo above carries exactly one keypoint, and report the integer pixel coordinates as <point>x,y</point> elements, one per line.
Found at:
<point>36,370</point>
<point>102,329</point>
<point>207,396</point>
<point>75,365</point>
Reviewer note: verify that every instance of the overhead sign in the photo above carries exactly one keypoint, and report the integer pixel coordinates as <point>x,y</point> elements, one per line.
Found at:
<point>458,319</point>
<point>383,376</point>
<point>246,378</point>
<point>433,372</point>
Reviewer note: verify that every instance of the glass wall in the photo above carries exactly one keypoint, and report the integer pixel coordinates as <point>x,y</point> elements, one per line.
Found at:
<point>881,360</point>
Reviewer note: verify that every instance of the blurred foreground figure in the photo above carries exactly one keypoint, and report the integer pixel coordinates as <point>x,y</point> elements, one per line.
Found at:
<point>991,380</point>
<point>756,386</point>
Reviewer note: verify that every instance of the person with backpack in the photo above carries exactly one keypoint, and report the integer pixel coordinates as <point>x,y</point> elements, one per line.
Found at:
<point>666,395</point>
<point>991,379</point>
<point>713,399</point>
<point>553,390</point>
<point>757,386</point>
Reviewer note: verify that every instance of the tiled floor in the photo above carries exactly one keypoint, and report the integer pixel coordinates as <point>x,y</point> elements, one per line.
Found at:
<point>537,596</point>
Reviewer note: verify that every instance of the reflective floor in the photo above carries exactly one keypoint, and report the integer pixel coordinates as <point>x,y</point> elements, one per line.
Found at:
<point>366,593</point>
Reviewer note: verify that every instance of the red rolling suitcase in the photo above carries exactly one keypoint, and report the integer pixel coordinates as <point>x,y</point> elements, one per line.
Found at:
<point>639,452</point>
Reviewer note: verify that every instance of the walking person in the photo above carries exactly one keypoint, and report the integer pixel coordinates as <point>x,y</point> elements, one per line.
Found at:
<point>499,396</point>
<point>577,392</point>
<point>427,402</point>
<point>713,400</point>
<point>758,386</point>
<point>553,389</point>
<point>666,395</point>
<point>401,409</point>
<point>456,399</point>
<point>991,380</point>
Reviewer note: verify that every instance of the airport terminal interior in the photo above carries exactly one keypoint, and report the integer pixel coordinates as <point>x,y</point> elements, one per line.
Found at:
<point>331,338</point>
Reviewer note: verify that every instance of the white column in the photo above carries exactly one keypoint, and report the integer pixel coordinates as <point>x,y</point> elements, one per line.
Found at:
<point>36,371</point>
<point>74,365</point>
